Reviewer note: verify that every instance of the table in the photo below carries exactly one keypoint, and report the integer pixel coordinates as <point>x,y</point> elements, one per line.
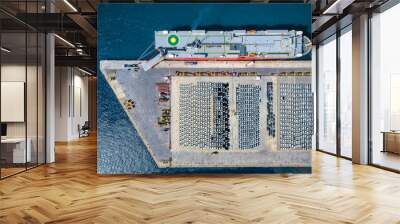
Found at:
<point>391,141</point>
<point>16,147</point>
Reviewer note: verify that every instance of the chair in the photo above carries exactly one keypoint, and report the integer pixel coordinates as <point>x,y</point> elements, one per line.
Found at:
<point>84,130</point>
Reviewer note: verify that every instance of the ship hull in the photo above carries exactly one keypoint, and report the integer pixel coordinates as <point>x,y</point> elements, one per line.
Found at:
<point>236,45</point>
<point>229,59</point>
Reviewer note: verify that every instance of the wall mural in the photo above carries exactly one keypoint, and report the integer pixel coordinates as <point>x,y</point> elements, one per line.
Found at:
<point>204,88</point>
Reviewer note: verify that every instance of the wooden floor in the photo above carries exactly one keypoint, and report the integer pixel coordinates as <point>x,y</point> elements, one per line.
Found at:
<point>387,159</point>
<point>5,172</point>
<point>70,191</point>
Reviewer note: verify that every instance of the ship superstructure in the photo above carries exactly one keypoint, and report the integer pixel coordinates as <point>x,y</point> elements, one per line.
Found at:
<point>240,45</point>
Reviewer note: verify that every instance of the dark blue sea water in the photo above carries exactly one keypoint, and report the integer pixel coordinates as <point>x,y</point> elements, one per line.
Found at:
<point>126,30</point>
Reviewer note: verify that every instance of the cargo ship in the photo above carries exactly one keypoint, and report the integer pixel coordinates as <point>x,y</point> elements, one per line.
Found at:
<point>235,45</point>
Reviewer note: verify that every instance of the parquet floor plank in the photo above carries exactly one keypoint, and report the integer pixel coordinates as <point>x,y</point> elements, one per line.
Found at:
<point>70,191</point>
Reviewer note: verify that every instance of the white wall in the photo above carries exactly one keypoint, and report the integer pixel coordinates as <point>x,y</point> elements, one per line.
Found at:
<point>33,127</point>
<point>16,73</point>
<point>71,102</point>
<point>12,73</point>
<point>62,82</point>
<point>80,103</point>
